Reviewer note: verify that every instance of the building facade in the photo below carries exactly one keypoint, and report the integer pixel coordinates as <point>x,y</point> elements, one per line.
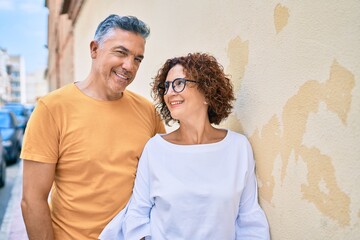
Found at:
<point>12,78</point>
<point>16,71</point>
<point>62,18</point>
<point>36,86</point>
<point>4,77</point>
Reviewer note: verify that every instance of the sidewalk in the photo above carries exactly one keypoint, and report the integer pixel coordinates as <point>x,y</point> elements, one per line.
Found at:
<point>13,227</point>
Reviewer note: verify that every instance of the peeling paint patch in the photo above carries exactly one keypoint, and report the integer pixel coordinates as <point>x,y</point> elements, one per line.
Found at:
<point>295,115</point>
<point>337,92</point>
<point>267,145</point>
<point>281,17</point>
<point>333,202</point>
<point>238,54</point>
<point>286,140</point>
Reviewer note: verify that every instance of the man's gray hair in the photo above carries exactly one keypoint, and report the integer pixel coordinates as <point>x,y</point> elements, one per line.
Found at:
<point>128,23</point>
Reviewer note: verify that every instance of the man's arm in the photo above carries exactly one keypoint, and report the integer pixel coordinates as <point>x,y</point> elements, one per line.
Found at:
<point>37,181</point>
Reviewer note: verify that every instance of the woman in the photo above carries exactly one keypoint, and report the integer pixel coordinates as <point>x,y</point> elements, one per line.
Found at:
<point>197,182</point>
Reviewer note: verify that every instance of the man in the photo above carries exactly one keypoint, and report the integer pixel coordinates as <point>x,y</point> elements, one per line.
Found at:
<point>83,141</point>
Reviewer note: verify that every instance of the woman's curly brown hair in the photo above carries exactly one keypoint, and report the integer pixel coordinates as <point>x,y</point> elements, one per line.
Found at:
<point>212,82</point>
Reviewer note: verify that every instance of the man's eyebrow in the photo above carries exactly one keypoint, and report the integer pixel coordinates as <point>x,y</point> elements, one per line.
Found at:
<point>128,51</point>
<point>122,48</point>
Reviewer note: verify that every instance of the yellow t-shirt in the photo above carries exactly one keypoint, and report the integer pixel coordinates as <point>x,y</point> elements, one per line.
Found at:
<point>96,146</point>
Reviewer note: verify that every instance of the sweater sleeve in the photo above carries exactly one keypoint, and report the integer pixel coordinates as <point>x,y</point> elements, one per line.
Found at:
<point>137,219</point>
<point>113,230</point>
<point>251,222</point>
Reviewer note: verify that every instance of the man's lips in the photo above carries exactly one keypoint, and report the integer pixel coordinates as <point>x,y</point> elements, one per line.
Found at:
<point>122,76</point>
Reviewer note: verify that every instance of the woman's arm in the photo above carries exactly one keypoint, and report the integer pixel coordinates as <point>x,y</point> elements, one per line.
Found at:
<point>137,219</point>
<point>251,222</point>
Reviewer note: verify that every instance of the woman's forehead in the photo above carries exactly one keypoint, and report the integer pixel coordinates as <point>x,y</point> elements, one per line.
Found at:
<point>177,71</point>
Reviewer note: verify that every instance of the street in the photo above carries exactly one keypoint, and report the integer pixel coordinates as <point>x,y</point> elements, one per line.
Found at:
<point>5,192</point>
<point>12,226</point>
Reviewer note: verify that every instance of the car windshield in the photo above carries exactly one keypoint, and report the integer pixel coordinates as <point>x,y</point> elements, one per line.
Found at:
<point>4,120</point>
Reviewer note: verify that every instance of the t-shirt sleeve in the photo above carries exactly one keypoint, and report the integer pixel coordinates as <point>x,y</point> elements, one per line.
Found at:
<point>251,222</point>
<point>41,138</point>
<point>137,220</point>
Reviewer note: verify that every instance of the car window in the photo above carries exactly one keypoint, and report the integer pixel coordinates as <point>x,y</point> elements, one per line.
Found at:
<point>5,120</point>
<point>18,110</point>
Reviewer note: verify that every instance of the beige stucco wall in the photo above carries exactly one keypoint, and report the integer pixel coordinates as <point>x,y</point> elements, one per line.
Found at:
<point>295,66</point>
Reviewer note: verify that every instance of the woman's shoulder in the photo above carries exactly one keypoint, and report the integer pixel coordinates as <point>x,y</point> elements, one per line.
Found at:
<point>239,139</point>
<point>237,135</point>
<point>154,141</point>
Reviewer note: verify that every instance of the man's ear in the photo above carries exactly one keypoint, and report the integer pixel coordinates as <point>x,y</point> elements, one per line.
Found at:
<point>94,46</point>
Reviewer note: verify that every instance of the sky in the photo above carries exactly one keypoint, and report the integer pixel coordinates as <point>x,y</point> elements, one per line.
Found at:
<point>23,31</point>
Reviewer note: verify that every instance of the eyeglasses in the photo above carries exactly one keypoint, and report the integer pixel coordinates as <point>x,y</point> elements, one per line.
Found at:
<point>178,85</point>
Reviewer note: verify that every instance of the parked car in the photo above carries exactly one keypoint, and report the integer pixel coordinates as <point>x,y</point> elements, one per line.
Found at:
<point>2,165</point>
<point>20,113</point>
<point>11,135</point>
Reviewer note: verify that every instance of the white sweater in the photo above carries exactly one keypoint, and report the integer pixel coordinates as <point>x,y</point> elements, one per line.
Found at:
<point>193,192</point>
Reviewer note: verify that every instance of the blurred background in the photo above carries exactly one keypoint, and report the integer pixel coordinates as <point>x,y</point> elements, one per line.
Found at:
<point>295,70</point>
<point>23,64</point>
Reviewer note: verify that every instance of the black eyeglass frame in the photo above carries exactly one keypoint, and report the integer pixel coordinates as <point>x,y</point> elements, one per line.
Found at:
<point>162,90</point>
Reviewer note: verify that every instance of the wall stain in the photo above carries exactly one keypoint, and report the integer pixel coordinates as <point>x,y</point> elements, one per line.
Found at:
<point>281,17</point>
<point>332,202</point>
<point>238,54</point>
<point>282,137</point>
<point>233,123</point>
<point>267,146</point>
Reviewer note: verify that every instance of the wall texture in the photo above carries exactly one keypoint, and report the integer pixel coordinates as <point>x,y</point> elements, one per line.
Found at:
<point>295,66</point>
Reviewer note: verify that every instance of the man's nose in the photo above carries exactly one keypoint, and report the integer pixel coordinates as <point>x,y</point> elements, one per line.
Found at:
<point>128,64</point>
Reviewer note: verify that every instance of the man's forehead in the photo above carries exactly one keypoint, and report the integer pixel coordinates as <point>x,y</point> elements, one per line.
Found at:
<point>126,40</point>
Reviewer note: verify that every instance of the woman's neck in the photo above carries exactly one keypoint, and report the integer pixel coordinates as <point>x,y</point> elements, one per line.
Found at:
<point>188,134</point>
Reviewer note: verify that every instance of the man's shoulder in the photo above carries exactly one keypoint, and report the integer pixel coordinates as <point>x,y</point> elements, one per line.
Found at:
<point>59,97</point>
<point>62,91</point>
<point>137,98</point>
